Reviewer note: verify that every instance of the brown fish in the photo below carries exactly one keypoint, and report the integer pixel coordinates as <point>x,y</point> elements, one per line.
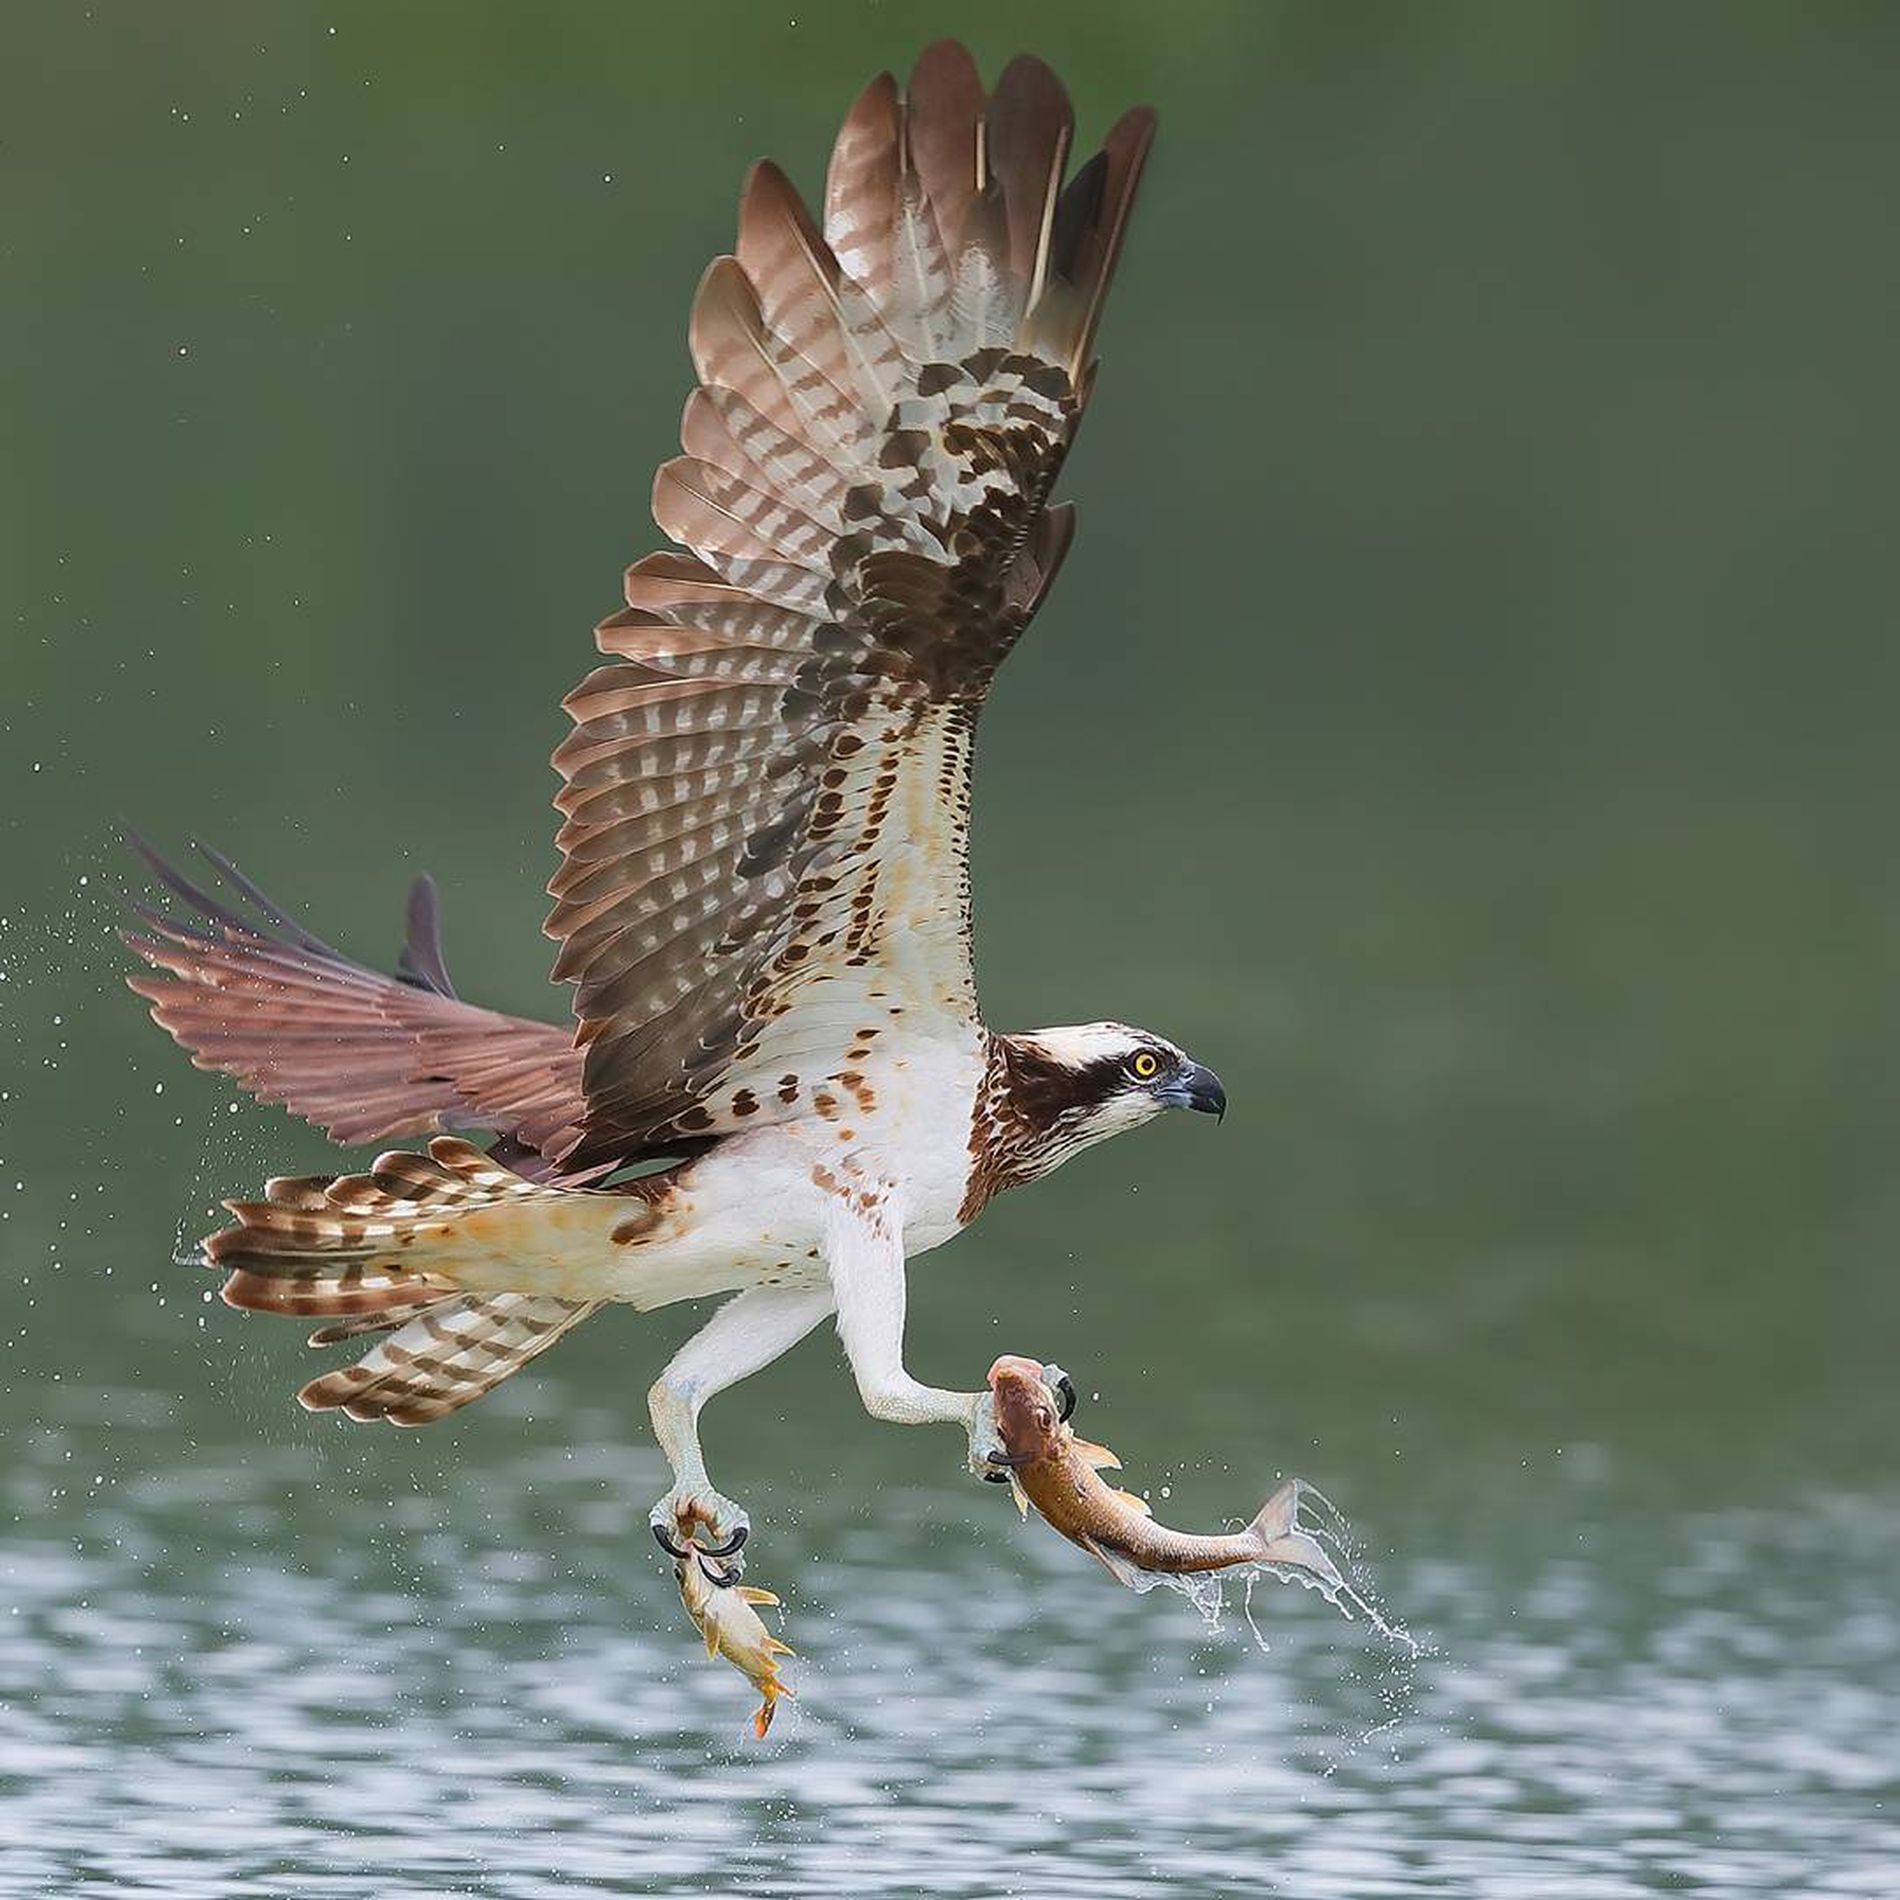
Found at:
<point>1057,1473</point>
<point>722,1608</point>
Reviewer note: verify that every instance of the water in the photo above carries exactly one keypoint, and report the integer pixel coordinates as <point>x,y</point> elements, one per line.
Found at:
<point>263,1673</point>
<point>1466,722</point>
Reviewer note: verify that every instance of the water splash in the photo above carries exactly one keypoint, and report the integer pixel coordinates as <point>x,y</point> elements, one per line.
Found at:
<point>1347,1585</point>
<point>1350,1590</point>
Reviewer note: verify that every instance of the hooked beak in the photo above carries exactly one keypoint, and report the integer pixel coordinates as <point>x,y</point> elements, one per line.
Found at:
<point>1197,1088</point>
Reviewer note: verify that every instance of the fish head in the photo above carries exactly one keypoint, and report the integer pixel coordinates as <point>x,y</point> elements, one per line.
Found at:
<point>1027,1419</point>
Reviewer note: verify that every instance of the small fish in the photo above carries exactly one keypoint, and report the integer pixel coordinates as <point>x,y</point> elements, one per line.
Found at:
<point>1057,1473</point>
<point>723,1611</point>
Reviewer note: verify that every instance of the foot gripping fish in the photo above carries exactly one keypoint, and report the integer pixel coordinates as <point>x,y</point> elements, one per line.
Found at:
<point>1060,1475</point>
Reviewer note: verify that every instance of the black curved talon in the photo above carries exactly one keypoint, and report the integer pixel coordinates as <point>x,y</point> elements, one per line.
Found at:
<point>1065,1397</point>
<point>996,1477</point>
<point>732,1546</point>
<point>666,1543</point>
<point>719,1579</point>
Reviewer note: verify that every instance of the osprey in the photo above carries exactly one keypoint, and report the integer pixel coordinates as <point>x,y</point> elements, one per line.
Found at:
<point>777,1087</point>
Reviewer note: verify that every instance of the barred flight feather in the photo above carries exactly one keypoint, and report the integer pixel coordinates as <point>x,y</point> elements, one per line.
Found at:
<point>884,403</point>
<point>366,1056</point>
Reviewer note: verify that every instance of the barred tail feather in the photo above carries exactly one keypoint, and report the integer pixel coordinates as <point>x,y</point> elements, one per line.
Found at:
<point>379,1252</point>
<point>361,1242</point>
<point>447,1356</point>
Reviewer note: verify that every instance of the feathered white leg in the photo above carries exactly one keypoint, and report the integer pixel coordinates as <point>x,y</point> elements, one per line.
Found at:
<point>866,1260</point>
<point>748,1332</point>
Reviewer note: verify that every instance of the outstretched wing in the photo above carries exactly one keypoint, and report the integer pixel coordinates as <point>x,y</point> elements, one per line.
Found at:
<point>366,1056</point>
<point>767,791</point>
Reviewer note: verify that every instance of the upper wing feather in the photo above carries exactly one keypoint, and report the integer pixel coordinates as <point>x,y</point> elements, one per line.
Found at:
<point>767,790</point>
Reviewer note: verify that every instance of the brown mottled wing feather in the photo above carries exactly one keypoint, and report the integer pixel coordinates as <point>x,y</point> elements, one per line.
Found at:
<point>366,1056</point>
<point>767,789</point>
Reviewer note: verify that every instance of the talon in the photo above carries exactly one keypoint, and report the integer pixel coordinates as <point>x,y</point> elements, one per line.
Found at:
<point>687,1519</point>
<point>996,1477</point>
<point>1064,1388</point>
<point>718,1578</point>
<point>985,1441</point>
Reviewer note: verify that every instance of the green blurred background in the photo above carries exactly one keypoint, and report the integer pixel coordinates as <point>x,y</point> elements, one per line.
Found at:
<point>1466,721</point>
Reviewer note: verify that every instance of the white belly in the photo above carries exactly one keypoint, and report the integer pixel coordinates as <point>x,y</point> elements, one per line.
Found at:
<point>753,1211</point>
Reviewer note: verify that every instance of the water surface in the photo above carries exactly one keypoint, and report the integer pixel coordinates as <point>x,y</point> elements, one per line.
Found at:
<point>266,1674</point>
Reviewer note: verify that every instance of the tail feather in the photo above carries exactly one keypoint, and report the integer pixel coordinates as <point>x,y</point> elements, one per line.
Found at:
<point>364,1233</point>
<point>447,1356</point>
<point>376,1252</point>
<point>362,1325</point>
<point>333,1290</point>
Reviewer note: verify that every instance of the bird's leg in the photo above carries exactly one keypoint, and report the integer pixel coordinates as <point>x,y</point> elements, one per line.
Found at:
<point>748,1332</point>
<point>867,1282</point>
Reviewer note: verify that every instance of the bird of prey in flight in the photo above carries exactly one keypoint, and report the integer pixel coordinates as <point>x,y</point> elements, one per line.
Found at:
<point>777,1086</point>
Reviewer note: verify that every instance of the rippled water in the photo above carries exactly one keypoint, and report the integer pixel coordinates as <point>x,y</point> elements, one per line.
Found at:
<point>265,1674</point>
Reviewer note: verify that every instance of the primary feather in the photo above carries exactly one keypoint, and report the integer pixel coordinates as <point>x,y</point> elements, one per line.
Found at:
<point>767,794</point>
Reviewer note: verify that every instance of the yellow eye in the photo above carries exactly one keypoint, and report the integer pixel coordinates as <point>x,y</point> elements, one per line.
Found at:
<point>1146,1065</point>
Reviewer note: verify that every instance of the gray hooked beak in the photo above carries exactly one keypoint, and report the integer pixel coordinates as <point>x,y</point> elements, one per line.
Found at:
<point>1198,1088</point>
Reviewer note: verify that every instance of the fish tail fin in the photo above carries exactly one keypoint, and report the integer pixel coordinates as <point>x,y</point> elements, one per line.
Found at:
<point>773,1693</point>
<point>1282,1541</point>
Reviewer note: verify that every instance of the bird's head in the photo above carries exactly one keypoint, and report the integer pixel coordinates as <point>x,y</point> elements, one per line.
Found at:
<point>1075,1086</point>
